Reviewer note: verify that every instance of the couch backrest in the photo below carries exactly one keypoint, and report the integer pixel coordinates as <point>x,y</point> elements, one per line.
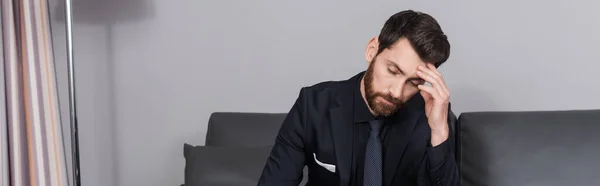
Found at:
<point>243,129</point>
<point>550,148</point>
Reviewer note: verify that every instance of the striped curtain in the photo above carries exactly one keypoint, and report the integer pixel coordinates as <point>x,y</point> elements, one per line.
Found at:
<point>32,147</point>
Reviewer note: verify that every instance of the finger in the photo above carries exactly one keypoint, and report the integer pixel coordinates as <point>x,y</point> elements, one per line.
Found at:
<point>434,69</point>
<point>429,76</point>
<point>431,91</point>
<point>426,95</point>
<point>441,78</point>
<point>429,72</point>
<point>437,75</point>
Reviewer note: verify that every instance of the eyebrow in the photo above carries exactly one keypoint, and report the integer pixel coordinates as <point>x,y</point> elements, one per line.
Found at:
<point>396,65</point>
<point>401,71</point>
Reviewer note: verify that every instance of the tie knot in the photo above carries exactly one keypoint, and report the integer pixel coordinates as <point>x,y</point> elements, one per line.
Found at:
<point>375,126</point>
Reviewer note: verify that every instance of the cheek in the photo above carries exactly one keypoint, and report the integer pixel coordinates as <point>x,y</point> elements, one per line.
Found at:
<point>382,79</point>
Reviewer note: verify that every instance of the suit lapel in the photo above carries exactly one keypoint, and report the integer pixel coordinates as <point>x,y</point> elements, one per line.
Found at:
<point>403,124</point>
<point>341,125</point>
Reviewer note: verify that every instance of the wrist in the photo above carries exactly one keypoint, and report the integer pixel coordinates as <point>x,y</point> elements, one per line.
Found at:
<point>439,136</point>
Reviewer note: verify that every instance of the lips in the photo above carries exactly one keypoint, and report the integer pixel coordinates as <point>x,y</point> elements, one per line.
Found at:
<point>386,101</point>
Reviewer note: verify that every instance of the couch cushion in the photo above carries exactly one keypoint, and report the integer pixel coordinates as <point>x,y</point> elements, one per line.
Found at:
<point>231,166</point>
<point>550,148</point>
<point>243,129</point>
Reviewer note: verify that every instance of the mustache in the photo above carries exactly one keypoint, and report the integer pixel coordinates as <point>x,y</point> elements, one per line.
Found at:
<point>389,98</point>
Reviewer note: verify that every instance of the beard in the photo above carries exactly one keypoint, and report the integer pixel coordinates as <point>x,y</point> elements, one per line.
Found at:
<point>379,108</point>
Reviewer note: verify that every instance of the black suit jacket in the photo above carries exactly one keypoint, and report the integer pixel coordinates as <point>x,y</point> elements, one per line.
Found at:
<point>318,130</point>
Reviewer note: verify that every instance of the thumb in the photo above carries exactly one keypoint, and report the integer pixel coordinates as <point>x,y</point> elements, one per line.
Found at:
<point>426,95</point>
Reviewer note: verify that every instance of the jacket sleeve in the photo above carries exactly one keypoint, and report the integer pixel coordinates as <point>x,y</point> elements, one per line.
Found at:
<point>286,161</point>
<point>440,167</point>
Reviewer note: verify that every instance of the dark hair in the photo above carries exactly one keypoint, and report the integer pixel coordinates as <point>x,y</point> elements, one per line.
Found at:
<point>422,31</point>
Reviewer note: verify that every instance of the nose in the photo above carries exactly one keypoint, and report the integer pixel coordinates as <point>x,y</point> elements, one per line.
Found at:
<point>396,90</point>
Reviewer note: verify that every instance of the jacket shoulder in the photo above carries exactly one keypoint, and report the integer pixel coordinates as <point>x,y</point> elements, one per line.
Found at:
<point>319,97</point>
<point>322,91</point>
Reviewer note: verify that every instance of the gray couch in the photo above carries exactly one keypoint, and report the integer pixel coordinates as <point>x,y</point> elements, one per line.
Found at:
<point>548,148</point>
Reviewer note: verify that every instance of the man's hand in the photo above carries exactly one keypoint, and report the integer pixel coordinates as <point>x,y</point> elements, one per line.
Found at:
<point>436,102</point>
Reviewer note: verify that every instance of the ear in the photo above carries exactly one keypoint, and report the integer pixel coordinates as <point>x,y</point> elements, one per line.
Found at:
<point>371,49</point>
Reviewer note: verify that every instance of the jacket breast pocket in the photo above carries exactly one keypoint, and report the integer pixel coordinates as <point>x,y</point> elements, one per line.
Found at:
<point>324,164</point>
<point>322,169</point>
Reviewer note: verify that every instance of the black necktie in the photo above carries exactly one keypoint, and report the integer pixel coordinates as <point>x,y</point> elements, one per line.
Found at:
<point>372,172</point>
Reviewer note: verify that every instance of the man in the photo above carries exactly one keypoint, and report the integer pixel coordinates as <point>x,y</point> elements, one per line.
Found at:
<point>380,127</point>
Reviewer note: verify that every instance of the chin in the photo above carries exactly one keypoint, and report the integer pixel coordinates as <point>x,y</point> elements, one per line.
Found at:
<point>385,111</point>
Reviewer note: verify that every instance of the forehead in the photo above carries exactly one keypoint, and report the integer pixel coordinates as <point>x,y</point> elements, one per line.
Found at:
<point>403,54</point>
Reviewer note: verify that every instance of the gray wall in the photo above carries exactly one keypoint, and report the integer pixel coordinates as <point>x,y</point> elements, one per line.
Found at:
<point>149,73</point>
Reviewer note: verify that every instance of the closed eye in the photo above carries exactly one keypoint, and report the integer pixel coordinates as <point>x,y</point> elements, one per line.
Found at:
<point>417,82</point>
<point>392,71</point>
